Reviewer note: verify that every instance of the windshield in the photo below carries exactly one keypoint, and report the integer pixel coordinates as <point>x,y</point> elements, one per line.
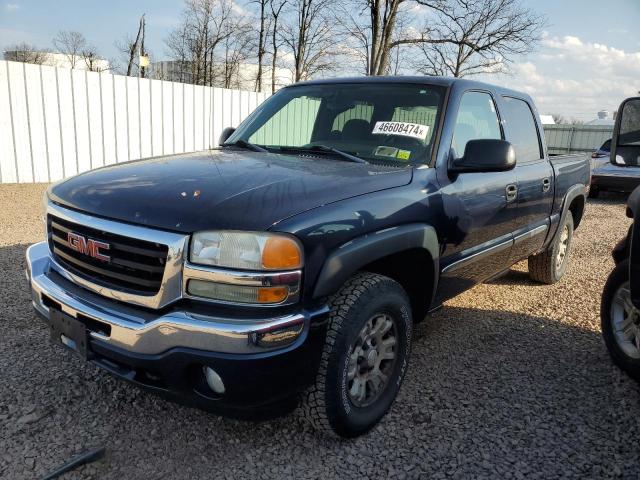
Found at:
<point>375,122</point>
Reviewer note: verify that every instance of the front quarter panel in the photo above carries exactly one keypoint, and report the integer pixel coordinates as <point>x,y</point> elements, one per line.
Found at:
<point>325,229</point>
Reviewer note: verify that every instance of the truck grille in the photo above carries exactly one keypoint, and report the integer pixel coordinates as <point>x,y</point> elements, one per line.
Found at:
<point>133,265</point>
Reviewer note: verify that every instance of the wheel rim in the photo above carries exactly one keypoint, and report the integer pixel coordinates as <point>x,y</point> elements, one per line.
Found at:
<point>372,360</point>
<point>562,248</point>
<point>625,320</point>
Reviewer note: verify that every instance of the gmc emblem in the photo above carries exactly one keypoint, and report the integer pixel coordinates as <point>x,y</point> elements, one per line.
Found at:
<point>88,246</point>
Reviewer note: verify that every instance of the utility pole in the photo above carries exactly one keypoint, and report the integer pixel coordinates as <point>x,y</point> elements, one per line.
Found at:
<point>144,60</point>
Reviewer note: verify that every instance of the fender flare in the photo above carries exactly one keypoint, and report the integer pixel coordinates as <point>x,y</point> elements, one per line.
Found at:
<point>348,258</point>
<point>573,193</point>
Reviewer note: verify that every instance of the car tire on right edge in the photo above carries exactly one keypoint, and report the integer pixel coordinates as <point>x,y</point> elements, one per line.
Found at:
<point>620,321</point>
<point>364,359</point>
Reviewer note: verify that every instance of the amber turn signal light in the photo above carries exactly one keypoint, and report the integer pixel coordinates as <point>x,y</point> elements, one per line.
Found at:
<point>281,253</point>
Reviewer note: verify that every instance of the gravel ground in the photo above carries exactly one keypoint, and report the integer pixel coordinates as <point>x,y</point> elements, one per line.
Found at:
<point>509,380</point>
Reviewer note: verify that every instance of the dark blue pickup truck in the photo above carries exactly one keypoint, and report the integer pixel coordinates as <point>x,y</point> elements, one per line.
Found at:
<point>291,263</point>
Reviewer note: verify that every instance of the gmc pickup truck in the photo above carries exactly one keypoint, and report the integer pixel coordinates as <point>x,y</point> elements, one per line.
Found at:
<point>291,263</point>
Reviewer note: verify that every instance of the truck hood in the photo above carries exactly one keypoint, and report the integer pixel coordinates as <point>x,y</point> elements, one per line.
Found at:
<point>220,189</point>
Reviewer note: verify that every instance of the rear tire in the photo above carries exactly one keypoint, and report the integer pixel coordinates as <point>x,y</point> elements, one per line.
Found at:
<point>594,192</point>
<point>549,266</point>
<point>364,359</point>
<point>620,322</point>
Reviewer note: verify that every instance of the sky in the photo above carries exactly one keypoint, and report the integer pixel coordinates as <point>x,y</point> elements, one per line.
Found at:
<point>588,58</point>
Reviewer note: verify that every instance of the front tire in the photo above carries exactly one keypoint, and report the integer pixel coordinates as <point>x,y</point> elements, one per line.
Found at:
<point>620,322</point>
<point>364,358</point>
<point>549,266</point>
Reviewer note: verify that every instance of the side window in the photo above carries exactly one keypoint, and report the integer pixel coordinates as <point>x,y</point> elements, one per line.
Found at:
<point>522,130</point>
<point>477,119</point>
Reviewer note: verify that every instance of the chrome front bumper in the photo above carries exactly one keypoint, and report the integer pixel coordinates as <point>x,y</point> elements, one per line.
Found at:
<point>142,331</point>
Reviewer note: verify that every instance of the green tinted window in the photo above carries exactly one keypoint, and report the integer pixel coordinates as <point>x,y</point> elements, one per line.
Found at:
<point>477,119</point>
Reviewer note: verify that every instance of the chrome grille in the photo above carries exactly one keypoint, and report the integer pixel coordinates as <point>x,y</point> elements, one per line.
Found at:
<point>134,266</point>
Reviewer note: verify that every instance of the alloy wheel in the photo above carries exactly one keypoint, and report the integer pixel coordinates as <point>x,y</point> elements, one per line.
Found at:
<point>372,360</point>
<point>562,248</point>
<point>625,319</point>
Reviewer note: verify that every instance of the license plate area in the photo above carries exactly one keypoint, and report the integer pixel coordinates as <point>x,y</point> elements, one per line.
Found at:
<point>69,331</point>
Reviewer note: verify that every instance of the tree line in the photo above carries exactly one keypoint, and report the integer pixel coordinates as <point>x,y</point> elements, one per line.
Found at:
<point>314,38</point>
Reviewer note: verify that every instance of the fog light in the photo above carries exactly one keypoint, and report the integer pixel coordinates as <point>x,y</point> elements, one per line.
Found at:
<point>213,380</point>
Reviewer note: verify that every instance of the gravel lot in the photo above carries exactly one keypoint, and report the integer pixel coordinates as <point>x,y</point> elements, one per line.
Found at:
<point>508,380</point>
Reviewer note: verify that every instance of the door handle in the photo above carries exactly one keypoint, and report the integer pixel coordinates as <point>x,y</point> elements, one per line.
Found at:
<point>512,192</point>
<point>546,185</point>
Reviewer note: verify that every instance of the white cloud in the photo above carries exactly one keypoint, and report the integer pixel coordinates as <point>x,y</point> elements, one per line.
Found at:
<point>11,7</point>
<point>576,78</point>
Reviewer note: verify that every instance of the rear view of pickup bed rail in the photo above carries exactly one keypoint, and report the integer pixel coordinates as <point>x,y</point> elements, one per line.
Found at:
<point>290,266</point>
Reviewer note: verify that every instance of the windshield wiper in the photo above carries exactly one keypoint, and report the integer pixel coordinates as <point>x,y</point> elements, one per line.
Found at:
<point>327,149</point>
<point>244,144</point>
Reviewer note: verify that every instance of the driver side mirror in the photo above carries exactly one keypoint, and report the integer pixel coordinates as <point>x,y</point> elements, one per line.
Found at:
<point>485,155</point>
<point>625,142</point>
<point>226,133</point>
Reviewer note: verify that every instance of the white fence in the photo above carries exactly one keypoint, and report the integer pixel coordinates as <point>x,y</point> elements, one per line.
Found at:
<point>576,138</point>
<point>56,122</point>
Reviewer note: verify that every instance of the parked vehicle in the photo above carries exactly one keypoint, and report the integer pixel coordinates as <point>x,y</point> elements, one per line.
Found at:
<point>609,174</point>
<point>294,261</point>
<point>620,306</point>
<point>601,155</point>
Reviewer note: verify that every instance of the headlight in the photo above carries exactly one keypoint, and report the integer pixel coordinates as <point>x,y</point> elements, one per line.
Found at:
<point>264,268</point>
<point>246,250</point>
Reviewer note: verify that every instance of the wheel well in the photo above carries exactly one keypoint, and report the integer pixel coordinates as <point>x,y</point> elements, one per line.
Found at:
<point>576,207</point>
<point>414,270</point>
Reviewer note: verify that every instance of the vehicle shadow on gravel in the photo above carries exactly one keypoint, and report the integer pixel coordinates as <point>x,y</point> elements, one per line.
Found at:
<point>608,198</point>
<point>513,277</point>
<point>488,393</point>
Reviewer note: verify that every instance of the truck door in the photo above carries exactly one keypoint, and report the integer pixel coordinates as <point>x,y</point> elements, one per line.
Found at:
<point>533,174</point>
<point>478,206</point>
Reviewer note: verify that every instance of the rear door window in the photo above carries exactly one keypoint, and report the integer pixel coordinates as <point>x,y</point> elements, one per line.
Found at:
<point>522,131</point>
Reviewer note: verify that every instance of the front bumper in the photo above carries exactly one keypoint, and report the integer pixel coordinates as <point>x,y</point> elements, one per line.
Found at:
<point>260,359</point>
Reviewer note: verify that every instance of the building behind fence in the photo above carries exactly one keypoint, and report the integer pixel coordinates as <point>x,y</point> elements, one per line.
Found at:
<point>57,122</point>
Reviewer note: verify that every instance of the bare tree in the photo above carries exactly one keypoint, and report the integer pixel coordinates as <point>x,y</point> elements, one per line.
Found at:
<point>262,39</point>
<point>276,10</point>
<point>234,50</point>
<point>482,36</point>
<point>372,30</point>
<point>485,33</point>
<point>193,43</point>
<point>25,53</point>
<point>71,44</point>
<point>92,60</point>
<point>131,49</point>
<point>310,37</point>
<point>559,119</point>
<point>178,43</point>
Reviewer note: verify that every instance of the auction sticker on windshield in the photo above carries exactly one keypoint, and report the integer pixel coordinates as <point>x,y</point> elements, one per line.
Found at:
<point>404,129</point>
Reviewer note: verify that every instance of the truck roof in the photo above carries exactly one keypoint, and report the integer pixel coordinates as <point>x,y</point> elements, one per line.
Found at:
<point>419,79</point>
